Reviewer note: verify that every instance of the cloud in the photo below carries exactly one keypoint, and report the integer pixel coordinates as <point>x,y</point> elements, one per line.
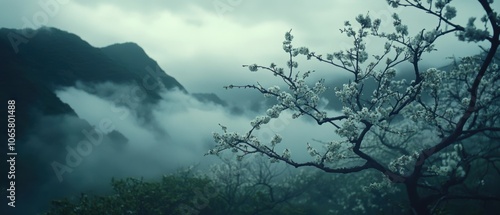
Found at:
<point>189,125</point>
<point>204,48</point>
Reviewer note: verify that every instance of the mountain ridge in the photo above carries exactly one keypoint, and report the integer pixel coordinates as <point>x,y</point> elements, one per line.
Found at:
<point>51,60</point>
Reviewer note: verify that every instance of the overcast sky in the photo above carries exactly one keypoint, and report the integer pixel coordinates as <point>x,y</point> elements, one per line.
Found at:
<point>204,43</point>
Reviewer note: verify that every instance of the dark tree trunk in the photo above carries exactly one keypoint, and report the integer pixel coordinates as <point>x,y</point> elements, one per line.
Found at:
<point>418,206</point>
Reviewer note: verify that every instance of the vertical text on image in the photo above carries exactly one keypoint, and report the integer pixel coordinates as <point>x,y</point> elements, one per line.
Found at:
<point>11,152</point>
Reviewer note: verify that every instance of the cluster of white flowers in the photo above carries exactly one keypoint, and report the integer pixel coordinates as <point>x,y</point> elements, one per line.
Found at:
<point>432,79</point>
<point>302,99</point>
<point>384,112</point>
<point>336,150</point>
<point>260,120</point>
<point>465,102</point>
<point>225,138</point>
<point>384,185</point>
<point>449,163</point>
<point>274,112</point>
<point>349,129</point>
<point>347,111</point>
<point>312,151</point>
<point>286,99</point>
<point>292,64</point>
<point>319,87</point>
<point>276,139</point>
<point>389,74</point>
<point>302,50</point>
<point>390,93</point>
<point>244,142</point>
<point>402,164</point>
<point>319,115</point>
<point>417,113</point>
<point>430,36</point>
<point>274,89</point>
<point>286,154</point>
<point>232,140</point>
<point>365,114</point>
<point>287,44</point>
<point>370,116</point>
<point>348,92</point>
<point>307,96</point>
<point>412,89</point>
<point>450,112</point>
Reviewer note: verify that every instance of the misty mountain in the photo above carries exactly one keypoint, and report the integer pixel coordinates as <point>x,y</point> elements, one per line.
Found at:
<point>210,97</point>
<point>55,58</point>
<point>52,60</point>
<point>135,59</point>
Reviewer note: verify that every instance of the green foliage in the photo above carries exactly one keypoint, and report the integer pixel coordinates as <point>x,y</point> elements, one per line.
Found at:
<point>174,194</point>
<point>136,196</point>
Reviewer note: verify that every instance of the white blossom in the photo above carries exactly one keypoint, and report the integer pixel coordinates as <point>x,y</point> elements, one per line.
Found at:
<point>450,161</point>
<point>276,139</point>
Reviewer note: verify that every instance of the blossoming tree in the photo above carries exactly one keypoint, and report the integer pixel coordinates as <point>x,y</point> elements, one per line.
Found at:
<point>436,133</point>
<point>254,186</point>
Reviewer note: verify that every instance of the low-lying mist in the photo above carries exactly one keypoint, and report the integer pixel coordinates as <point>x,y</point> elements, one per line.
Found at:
<point>178,134</point>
